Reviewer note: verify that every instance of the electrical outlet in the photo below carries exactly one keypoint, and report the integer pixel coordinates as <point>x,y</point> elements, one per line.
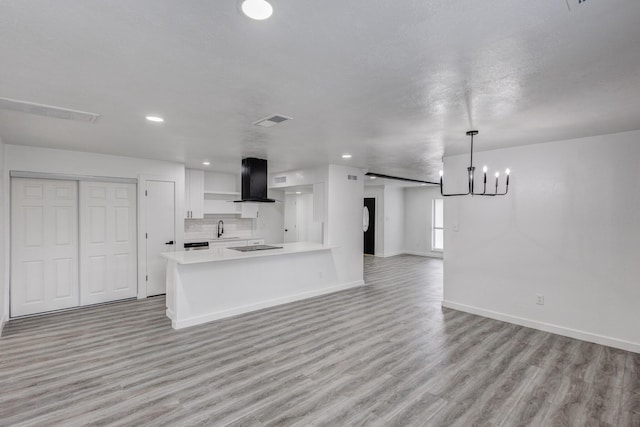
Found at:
<point>540,299</point>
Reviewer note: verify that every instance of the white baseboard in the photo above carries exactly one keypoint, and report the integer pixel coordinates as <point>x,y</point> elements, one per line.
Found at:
<point>197,320</point>
<point>427,254</point>
<point>388,254</point>
<point>547,327</point>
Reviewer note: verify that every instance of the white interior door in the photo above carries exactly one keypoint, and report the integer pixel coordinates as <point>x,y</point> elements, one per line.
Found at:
<point>44,245</point>
<point>108,249</point>
<point>160,201</point>
<point>290,218</point>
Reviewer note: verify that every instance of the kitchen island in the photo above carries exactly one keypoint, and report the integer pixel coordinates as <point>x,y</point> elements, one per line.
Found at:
<point>213,284</point>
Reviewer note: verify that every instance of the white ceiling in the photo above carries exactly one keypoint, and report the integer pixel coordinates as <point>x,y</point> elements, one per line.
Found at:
<point>395,83</point>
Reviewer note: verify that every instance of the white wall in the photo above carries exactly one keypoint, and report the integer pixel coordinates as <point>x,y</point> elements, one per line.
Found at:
<point>45,160</point>
<point>308,230</point>
<point>403,219</point>
<point>317,177</point>
<point>270,222</point>
<point>342,215</point>
<point>298,177</point>
<point>4,270</point>
<point>393,221</point>
<point>418,220</point>
<point>344,221</point>
<point>377,192</point>
<point>569,230</point>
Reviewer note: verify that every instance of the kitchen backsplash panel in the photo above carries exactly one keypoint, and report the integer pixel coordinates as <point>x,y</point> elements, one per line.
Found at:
<point>206,229</point>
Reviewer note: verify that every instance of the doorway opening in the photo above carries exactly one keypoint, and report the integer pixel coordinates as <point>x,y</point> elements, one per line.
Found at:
<point>437,225</point>
<point>369,225</point>
<point>300,212</point>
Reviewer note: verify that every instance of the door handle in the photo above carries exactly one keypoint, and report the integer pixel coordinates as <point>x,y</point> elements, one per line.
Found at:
<point>170,242</point>
<point>286,230</point>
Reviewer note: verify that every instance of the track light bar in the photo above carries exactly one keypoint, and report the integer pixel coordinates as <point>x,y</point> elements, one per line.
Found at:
<point>379,175</point>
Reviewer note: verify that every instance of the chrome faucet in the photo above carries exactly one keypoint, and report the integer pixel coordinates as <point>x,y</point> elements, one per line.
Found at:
<point>220,228</point>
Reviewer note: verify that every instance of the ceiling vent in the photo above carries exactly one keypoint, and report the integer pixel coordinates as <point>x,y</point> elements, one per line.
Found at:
<point>47,110</point>
<point>574,3</point>
<point>267,122</point>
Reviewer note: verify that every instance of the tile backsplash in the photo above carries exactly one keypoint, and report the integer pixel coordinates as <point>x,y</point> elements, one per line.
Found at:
<point>206,229</point>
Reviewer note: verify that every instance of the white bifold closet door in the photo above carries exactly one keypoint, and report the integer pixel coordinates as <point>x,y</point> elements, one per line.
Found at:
<point>108,250</point>
<point>44,248</point>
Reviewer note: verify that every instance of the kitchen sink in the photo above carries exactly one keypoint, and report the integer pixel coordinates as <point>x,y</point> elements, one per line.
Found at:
<point>253,248</point>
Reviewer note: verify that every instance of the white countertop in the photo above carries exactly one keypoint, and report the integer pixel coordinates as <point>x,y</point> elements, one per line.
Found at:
<point>227,254</point>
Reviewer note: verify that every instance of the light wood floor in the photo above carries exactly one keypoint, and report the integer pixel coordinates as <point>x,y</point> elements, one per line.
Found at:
<point>386,354</point>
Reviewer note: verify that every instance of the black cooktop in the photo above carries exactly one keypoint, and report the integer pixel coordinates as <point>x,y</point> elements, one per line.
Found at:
<point>254,248</point>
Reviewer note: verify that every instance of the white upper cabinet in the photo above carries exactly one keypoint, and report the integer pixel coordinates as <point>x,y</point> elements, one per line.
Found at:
<point>219,183</point>
<point>220,190</point>
<point>194,193</point>
<point>214,193</point>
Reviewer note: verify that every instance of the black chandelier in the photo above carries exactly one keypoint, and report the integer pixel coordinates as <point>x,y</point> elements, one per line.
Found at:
<point>471,170</point>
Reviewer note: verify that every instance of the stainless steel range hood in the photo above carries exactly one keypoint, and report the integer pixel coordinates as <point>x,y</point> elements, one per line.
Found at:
<point>254,181</point>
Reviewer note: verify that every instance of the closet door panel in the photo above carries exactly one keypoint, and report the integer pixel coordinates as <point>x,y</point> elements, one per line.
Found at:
<point>108,270</point>
<point>44,245</point>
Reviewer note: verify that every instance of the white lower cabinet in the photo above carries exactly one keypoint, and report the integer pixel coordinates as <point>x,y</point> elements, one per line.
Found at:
<point>69,250</point>
<point>227,244</point>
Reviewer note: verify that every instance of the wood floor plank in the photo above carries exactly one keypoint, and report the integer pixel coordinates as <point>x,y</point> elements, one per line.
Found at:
<point>381,355</point>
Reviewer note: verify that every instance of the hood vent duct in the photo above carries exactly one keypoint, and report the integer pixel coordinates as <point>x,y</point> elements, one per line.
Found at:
<point>254,181</point>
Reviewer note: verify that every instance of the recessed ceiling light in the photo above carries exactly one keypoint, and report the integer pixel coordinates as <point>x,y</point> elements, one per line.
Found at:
<point>206,163</point>
<point>346,156</point>
<point>423,184</point>
<point>155,119</point>
<point>372,177</point>
<point>256,9</point>
<point>298,192</point>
